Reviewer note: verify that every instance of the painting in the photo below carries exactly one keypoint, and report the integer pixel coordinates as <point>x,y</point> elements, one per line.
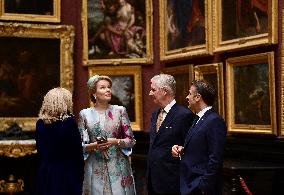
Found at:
<point>213,73</point>
<point>28,71</point>
<point>241,24</point>
<point>251,94</point>
<point>117,32</point>
<point>185,28</point>
<point>30,10</point>
<point>282,82</point>
<point>126,90</point>
<point>183,76</point>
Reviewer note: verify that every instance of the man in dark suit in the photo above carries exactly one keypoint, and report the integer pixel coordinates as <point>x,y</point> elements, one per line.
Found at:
<point>169,125</point>
<point>202,152</point>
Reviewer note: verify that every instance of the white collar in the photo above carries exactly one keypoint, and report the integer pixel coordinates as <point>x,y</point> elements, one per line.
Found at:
<point>202,112</point>
<point>169,106</point>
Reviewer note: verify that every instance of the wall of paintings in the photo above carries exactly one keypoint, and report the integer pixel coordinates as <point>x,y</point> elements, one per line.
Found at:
<point>236,45</point>
<point>162,36</point>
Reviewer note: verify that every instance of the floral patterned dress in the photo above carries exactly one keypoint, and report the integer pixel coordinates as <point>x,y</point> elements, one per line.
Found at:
<point>111,175</point>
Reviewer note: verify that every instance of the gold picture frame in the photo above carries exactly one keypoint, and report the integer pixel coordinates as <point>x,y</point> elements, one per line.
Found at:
<point>251,94</point>
<point>282,82</point>
<point>30,71</point>
<point>239,25</point>
<point>183,75</point>
<point>213,73</point>
<point>107,39</point>
<point>26,10</point>
<point>185,33</point>
<point>126,90</point>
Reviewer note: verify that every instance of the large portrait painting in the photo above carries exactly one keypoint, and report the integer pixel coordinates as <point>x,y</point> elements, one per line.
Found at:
<point>183,76</point>
<point>30,10</point>
<point>244,23</point>
<point>126,90</point>
<point>117,31</point>
<point>185,28</point>
<point>213,73</point>
<point>251,94</point>
<point>33,60</point>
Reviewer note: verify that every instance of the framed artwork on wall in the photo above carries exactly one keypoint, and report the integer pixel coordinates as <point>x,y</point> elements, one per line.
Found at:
<point>183,76</point>
<point>30,10</point>
<point>213,73</point>
<point>117,32</point>
<point>282,82</point>
<point>126,90</point>
<point>28,71</point>
<point>185,28</point>
<point>242,24</point>
<point>251,94</point>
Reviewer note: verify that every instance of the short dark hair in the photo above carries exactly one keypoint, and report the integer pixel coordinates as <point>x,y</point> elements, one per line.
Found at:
<point>206,90</point>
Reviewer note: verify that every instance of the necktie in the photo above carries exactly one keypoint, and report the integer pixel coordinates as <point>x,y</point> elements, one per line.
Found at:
<point>160,119</point>
<point>196,117</point>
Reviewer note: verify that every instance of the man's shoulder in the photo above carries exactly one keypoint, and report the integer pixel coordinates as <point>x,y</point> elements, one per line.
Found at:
<point>183,109</point>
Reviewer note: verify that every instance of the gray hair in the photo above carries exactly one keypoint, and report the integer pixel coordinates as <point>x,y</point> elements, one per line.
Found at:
<point>167,82</point>
<point>92,84</point>
<point>57,105</point>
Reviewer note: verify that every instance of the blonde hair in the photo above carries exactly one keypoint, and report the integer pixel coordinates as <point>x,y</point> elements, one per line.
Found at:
<point>57,105</point>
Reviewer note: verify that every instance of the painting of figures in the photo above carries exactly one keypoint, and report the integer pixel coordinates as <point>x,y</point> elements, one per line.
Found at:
<point>186,28</point>
<point>186,23</point>
<point>243,18</point>
<point>116,29</point>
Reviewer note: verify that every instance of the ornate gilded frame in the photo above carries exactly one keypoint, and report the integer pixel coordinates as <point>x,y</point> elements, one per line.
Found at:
<point>213,73</point>
<point>52,17</point>
<point>65,35</point>
<point>189,50</point>
<point>251,94</point>
<point>147,57</point>
<point>282,81</point>
<point>246,39</point>
<point>133,73</point>
<point>183,75</point>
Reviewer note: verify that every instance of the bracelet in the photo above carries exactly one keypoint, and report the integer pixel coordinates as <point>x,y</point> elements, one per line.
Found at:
<point>95,148</point>
<point>118,142</point>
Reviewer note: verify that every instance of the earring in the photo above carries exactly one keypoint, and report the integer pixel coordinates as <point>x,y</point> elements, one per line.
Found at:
<point>94,96</point>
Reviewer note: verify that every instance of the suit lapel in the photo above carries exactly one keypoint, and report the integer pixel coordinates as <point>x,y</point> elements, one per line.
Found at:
<point>169,117</point>
<point>194,129</point>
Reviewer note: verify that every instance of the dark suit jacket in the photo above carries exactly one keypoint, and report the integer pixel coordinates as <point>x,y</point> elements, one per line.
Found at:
<point>163,169</point>
<point>202,160</point>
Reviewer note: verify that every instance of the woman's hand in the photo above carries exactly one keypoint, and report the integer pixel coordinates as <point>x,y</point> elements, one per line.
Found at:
<point>105,145</point>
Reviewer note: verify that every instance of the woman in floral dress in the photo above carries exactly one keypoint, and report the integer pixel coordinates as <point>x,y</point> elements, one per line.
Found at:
<point>107,167</point>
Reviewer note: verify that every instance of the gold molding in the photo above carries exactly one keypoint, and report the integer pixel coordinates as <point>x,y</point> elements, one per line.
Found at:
<point>55,17</point>
<point>250,60</point>
<point>200,71</point>
<point>182,86</point>
<point>11,186</point>
<point>17,148</point>
<point>282,81</point>
<point>189,51</point>
<point>271,37</point>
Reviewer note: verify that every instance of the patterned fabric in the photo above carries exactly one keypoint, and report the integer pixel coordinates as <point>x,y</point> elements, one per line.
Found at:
<point>112,176</point>
<point>160,119</point>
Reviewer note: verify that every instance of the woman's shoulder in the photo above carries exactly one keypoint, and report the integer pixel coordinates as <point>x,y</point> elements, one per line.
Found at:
<point>85,110</point>
<point>117,107</point>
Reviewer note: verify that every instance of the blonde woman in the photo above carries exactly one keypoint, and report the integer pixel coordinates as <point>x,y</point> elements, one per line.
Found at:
<point>108,139</point>
<point>59,146</point>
